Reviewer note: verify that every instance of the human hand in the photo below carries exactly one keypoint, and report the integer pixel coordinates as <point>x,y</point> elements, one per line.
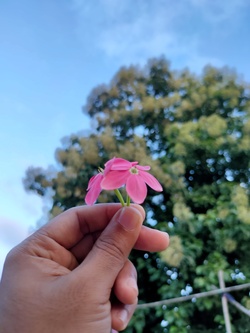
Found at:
<point>65,276</point>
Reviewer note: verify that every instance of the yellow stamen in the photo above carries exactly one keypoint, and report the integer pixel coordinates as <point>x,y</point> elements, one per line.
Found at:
<point>134,170</point>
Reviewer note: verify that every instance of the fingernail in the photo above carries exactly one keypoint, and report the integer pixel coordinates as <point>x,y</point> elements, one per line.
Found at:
<point>129,218</point>
<point>131,282</point>
<point>123,316</point>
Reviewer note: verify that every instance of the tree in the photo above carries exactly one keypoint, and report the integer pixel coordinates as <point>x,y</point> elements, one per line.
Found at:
<point>194,131</point>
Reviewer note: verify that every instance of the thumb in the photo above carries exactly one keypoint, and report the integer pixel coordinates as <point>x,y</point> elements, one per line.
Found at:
<point>112,248</point>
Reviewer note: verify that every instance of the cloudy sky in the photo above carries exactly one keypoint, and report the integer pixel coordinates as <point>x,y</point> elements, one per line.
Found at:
<point>53,52</point>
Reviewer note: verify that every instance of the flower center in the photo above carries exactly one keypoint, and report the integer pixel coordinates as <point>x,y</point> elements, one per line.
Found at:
<point>134,170</point>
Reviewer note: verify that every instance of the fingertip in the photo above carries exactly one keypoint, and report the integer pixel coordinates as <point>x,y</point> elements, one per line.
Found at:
<point>140,209</point>
<point>132,286</point>
<point>163,240</point>
<point>121,315</point>
<point>166,240</point>
<point>130,218</point>
<point>125,287</point>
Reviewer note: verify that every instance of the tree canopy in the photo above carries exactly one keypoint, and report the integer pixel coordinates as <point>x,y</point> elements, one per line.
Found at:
<point>194,132</point>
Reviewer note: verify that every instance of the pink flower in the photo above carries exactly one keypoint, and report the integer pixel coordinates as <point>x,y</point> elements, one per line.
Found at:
<point>119,172</point>
<point>135,177</point>
<point>94,185</point>
<point>94,189</point>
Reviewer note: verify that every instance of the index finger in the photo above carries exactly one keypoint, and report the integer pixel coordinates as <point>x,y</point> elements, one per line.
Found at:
<point>68,228</point>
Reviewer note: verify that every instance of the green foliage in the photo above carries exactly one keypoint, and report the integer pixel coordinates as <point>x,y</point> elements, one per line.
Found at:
<point>195,134</point>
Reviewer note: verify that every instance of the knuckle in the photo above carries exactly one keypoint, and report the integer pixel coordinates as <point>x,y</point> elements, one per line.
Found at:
<point>14,254</point>
<point>111,248</point>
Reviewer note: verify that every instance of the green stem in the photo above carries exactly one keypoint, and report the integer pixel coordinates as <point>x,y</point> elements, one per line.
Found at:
<point>128,200</point>
<point>119,196</point>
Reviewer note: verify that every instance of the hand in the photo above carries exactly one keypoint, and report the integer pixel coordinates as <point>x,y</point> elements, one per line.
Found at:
<point>73,275</point>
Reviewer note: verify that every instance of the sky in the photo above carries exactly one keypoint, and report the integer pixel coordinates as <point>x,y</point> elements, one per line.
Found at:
<point>54,52</point>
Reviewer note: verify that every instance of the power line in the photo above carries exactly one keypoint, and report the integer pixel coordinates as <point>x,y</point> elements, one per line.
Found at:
<point>193,296</point>
<point>237,304</point>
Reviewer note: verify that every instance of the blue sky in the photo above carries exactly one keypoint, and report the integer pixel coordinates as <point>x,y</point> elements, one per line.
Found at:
<point>53,52</point>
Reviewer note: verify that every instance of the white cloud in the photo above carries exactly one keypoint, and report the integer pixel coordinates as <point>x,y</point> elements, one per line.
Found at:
<point>217,11</point>
<point>12,232</point>
<point>133,31</point>
<point>26,208</point>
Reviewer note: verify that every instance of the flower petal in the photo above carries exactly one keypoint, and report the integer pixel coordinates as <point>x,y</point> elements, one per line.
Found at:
<point>136,188</point>
<point>91,181</point>
<point>94,189</point>
<point>121,164</point>
<point>151,181</point>
<point>114,179</point>
<point>108,165</point>
<point>143,167</point>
